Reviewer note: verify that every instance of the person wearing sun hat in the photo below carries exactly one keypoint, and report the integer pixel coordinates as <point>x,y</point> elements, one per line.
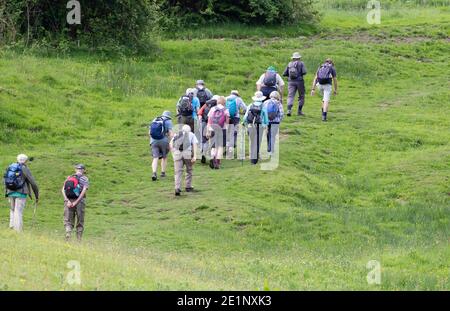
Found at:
<point>256,120</point>
<point>270,81</point>
<point>295,71</point>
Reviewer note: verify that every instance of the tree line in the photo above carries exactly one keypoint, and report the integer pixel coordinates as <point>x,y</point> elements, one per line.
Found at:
<point>131,23</point>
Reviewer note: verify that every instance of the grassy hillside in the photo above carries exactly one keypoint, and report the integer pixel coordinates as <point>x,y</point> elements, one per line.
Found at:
<point>371,184</point>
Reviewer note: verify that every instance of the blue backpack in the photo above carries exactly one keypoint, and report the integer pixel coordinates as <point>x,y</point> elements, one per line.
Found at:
<point>231,105</point>
<point>158,128</point>
<point>272,110</point>
<point>13,177</point>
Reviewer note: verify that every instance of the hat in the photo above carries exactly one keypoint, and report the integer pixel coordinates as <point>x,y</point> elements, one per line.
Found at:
<point>235,92</point>
<point>215,97</point>
<point>296,55</point>
<point>271,68</point>
<point>259,97</point>
<point>201,82</point>
<point>80,167</point>
<point>275,95</point>
<point>167,114</point>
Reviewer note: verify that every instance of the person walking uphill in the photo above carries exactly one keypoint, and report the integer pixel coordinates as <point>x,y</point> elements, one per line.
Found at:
<point>270,81</point>
<point>218,120</point>
<point>203,116</point>
<point>275,115</point>
<point>324,79</point>
<point>295,71</point>
<point>187,108</point>
<point>19,182</point>
<point>235,105</point>
<point>256,119</point>
<point>184,151</point>
<point>74,193</point>
<point>203,93</point>
<point>160,132</point>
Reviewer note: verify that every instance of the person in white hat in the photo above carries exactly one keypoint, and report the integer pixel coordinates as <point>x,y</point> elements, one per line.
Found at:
<point>256,120</point>
<point>295,71</point>
<point>18,185</point>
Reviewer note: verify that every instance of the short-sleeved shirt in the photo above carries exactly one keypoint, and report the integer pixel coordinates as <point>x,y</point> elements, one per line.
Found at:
<point>187,152</point>
<point>84,181</point>
<point>280,81</point>
<point>213,109</point>
<point>332,75</point>
<point>168,126</point>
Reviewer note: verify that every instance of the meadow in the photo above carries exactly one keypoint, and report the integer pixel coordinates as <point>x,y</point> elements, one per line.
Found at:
<point>370,184</point>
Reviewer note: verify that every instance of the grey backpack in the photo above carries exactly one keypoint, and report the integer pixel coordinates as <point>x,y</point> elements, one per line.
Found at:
<point>270,78</point>
<point>293,70</point>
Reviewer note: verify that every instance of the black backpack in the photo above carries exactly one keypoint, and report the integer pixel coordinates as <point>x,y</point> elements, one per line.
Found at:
<point>202,96</point>
<point>209,104</point>
<point>185,107</point>
<point>14,179</point>
<point>270,79</point>
<point>181,141</point>
<point>254,114</point>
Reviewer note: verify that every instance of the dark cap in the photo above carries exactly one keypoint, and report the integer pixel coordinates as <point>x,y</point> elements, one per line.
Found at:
<point>80,167</point>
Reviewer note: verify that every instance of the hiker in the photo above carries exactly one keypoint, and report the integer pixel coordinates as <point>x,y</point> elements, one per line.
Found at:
<point>203,93</point>
<point>235,105</point>
<point>187,108</point>
<point>203,116</point>
<point>74,193</point>
<point>160,131</point>
<point>275,114</point>
<point>184,152</point>
<point>324,79</point>
<point>255,119</point>
<point>218,120</point>
<point>19,182</point>
<point>270,81</point>
<point>295,71</point>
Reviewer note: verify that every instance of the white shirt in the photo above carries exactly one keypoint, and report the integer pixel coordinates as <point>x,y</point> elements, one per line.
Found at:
<point>280,81</point>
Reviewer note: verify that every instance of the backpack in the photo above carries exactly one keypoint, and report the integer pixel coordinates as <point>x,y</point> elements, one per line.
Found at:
<point>209,104</point>
<point>202,96</point>
<point>219,117</point>
<point>273,110</point>
<point>270,79</point>
<point>180,141</point>
<point>323,74</point>
<point>72,187</point>
<point>13,177</point>
<point>232,106</point>
<point>254,114</point>
<point>185,106</point>
<point>293,70</point>
<point>158,128</point>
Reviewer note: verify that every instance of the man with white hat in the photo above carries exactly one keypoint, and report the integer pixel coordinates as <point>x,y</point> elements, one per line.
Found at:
<point>295,71</point>
<point>256,120</point>
<point>18,185</point>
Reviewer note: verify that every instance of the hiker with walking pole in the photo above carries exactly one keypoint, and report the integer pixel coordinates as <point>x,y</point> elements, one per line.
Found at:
<point>256,120</point>
<point>19,182</point>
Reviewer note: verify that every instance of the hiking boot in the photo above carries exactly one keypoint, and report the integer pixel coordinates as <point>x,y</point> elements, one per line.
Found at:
<point>324,118</point>
<point>79,236</point>
<point>301,113</point>
<point>289,113</point>
<point>217,164</point>
<point>163,174</point>
<point>177,192</point>
<point>67,236</point>
<point>203,159</point>
<point>189,189</point>
<point>154,177</point>
<point>211,164</point>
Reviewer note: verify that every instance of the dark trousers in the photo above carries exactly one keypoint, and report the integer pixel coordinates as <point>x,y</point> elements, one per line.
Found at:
<point>293,87</point>
<point>266,90</point>
<point>189,120</point>
<point>255,133</point>
<point>272,131</point>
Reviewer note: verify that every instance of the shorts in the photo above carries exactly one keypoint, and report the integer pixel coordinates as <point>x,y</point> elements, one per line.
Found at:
<point>160,149</point>
<point>325,89</point>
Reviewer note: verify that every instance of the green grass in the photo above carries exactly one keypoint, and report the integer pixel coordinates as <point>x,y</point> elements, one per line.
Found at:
<point>371,184</point>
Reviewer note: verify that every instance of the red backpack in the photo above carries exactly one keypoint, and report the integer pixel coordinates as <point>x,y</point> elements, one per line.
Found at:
<point>218,117</point>
<point>72,187</point>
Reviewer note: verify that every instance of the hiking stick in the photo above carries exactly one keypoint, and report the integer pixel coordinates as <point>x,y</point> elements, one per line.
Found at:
<point>34,214</point>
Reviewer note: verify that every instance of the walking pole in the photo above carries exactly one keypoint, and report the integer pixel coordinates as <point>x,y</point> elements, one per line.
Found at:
<point>34,214</point>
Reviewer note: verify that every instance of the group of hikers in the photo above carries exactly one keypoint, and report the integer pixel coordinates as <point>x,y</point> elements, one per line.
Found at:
<point>206,122</point>
<point>214,121</point>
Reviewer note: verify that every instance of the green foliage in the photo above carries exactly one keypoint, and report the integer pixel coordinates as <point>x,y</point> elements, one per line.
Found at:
<point>108,24</point>
<point>179,13</point>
